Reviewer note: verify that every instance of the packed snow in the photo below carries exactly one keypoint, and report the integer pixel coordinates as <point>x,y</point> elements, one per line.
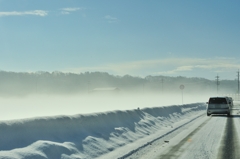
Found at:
<point>110,134</point>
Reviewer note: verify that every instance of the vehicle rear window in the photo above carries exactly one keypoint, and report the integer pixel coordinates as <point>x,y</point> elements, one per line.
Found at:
<point>217,101</point>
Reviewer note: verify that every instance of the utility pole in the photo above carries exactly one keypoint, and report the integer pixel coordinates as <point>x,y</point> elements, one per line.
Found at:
<point>238,85</point>
<point>162,84</point>
<point>143,87</point>
<point>218,83</point>
<point>182,87</point>
<point>88,86</point>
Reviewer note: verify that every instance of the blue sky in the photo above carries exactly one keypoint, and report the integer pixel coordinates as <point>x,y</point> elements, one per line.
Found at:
<point>137,37</point>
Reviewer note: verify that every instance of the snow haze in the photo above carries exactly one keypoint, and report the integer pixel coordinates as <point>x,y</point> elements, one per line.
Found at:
<point>49,105</point>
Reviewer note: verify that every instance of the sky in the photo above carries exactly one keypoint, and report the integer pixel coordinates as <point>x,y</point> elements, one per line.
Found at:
<point>137,37</point>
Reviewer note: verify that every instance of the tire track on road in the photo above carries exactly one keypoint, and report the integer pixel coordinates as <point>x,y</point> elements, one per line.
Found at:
<point>162,136</point>
<point>230,144</point>
<point>173,152</point>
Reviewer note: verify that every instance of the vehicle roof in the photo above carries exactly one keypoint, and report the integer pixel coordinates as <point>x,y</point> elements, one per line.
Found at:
<point>219,97</point>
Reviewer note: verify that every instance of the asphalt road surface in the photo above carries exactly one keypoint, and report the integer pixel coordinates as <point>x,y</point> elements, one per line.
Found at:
<point>214,137</point>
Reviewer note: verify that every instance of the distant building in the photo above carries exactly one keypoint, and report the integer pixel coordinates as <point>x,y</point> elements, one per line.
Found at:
<point>107,90</point>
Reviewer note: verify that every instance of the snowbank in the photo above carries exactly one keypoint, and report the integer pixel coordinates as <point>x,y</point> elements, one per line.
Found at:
<point>86,136</point>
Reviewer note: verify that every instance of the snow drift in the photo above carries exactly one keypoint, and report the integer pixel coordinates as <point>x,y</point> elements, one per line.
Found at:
<point>86,136</point>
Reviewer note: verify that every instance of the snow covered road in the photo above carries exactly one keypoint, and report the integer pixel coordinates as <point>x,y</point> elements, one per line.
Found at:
<point>215,137</point>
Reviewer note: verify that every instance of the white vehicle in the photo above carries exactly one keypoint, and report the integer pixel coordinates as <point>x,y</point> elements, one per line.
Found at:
<point>219,105</point>
<point>230,101</point>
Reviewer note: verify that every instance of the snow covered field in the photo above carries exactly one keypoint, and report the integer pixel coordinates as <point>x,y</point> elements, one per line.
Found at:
<point>110,134</point>
<point>52,105</point>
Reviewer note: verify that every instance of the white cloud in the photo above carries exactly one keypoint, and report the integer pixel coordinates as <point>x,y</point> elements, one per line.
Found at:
<point>41,13</point>
<point>110,19</point>
<point>169,66</point>
<point>214,65</point>
<point>69,10</point>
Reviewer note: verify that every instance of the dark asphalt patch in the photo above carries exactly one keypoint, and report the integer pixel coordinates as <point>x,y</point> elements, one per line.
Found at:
<point>230,144</point>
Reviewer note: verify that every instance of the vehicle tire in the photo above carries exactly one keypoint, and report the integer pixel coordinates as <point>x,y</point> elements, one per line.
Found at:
<point>228,114</point>
<point>208,114</point>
